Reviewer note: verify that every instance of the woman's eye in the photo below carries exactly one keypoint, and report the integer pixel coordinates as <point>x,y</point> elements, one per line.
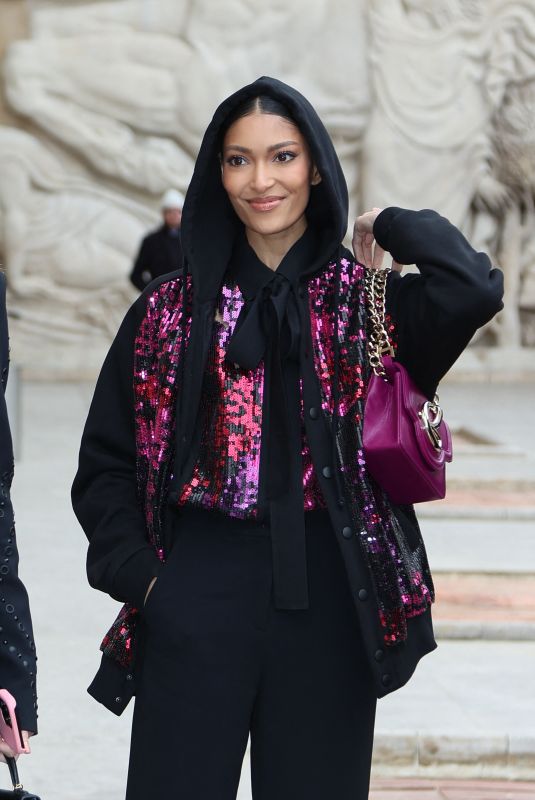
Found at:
<point>236,161</point>
<point>284,156</point>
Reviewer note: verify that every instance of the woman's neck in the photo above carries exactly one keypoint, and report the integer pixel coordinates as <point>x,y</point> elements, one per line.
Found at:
<point>272,248</point>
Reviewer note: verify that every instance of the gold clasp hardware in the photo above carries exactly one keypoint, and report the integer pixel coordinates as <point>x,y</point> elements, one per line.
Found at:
<point>431,417</point>
<point>387,350</point>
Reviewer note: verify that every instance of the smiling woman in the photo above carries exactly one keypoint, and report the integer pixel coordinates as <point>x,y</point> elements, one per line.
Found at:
<point>267,173</point>
<point>271,587</point>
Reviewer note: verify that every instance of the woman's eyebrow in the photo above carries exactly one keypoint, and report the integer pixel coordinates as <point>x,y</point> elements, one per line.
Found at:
<point>270,149</point>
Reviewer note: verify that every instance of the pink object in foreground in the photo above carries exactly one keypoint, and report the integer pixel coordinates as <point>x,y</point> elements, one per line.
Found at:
<point>9,727</point>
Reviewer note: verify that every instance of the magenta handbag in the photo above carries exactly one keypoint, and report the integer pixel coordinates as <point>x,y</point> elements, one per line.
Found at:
<point>406,441</point>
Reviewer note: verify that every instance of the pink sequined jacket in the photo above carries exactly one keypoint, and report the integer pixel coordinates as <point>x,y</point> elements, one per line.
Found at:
<point>171,379</point>
<point>120,493</point>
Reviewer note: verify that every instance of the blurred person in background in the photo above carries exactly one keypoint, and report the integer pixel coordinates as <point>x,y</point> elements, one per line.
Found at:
<point>161,251</point>
<point>271,587</point>
<point>17,649</point>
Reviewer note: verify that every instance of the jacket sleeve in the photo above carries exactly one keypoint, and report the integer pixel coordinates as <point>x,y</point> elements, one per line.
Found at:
<point>120,561</point>
<point>17,649</point>
<point>437,312</point>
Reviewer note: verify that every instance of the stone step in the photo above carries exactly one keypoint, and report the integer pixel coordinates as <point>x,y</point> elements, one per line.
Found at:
<point>456,756</point>
<point>491,606</point>
<point>411,789</point>
<point>480,545</point>
<point>466,713</point>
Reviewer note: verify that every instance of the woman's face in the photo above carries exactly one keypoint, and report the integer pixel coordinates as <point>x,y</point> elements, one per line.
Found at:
<point>267,173</point>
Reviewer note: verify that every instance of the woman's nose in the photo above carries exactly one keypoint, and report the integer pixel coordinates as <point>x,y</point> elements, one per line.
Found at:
<point>261,178</point>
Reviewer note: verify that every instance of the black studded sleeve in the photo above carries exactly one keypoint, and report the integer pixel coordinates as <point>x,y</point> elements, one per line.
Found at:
<point>17,649</point>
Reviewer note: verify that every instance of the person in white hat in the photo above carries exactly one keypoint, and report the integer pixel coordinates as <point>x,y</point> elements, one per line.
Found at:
<point>161,251</point>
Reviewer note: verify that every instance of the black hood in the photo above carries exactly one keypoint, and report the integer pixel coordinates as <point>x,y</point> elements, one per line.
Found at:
<point>209,223</point>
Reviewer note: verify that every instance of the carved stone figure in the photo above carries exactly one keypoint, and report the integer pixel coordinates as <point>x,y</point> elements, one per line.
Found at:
<point>429,103</point>
<point>449,128</point>
<point>67,246</point>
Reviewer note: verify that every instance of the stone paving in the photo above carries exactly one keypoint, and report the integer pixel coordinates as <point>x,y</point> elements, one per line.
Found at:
<point>451,790</point>
<point>468,711</point>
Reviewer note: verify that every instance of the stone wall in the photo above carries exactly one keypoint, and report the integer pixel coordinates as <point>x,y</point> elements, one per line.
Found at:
<point>430,104</point>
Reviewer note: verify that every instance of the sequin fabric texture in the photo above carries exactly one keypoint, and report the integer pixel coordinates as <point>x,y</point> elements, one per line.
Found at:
<point>226,474</point>
<point>400,575</point>
<point>156,362</point>
<point>227,471</point>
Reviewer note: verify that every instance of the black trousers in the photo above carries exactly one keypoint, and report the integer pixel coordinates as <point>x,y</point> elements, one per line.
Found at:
<point>220,662</point>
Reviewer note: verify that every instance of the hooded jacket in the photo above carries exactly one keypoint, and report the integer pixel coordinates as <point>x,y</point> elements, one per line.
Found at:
<point>140,443</point>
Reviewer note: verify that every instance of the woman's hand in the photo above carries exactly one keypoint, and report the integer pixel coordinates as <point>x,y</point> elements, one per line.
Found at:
<point>365,248</point>
<point>5,749</point>
<point>149,590</point>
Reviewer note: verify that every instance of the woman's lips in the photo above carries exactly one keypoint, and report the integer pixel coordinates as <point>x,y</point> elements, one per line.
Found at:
<point>265,203</point>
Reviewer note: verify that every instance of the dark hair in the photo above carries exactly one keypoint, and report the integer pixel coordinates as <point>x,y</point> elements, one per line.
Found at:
<point>262,103</point>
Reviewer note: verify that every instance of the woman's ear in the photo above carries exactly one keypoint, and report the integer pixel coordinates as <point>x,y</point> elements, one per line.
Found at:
<point>315,177</point>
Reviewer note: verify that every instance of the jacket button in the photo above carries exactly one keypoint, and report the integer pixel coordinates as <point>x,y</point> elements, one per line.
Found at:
<point>327,472</point>
<point>363,594</point>
<point>129,677</point>
<point>313,413</point>
<point>347,532</point>
<point>118,699</point>
<point>386,680</point>
<point>379,655</point>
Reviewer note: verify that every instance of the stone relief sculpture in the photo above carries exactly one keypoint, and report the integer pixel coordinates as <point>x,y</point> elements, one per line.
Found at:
<point>429,103</point>
<point>455,143</point>
<point>67,246</point>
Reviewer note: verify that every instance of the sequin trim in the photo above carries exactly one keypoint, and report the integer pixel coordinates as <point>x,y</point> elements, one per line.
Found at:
<point>226,474</point>
<point>400,575</point>
<point>156,359</point>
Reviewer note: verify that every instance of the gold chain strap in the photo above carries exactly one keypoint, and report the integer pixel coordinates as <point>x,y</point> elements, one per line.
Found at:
<point>378,342</point>
<point>379,345</point>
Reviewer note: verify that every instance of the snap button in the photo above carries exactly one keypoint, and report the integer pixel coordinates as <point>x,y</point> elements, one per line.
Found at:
<point>313,413</point>
<point>327,472</point>
<point>363,594</point>
<point>386,680</point>
<point>379,655</point>
<point>347,532</point>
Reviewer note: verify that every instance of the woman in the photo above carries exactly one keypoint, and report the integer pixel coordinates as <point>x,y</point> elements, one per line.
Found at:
<point>271,588</point>
<point>17,650</point>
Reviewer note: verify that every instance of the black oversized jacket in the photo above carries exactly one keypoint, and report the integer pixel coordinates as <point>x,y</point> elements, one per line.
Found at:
<point>17,649</point>
<point>435,313</point>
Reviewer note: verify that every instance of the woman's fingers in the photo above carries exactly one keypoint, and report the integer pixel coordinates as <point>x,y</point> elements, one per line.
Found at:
<point>378,257</point>
<point>26,739</point>
<point>365,248</point>
<point>368,241</point>
<point>357,243</point>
